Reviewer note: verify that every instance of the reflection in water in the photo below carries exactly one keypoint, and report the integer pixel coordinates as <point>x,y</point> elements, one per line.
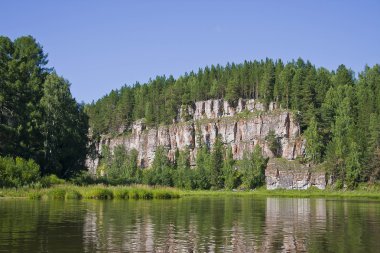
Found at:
<point>199,224</point>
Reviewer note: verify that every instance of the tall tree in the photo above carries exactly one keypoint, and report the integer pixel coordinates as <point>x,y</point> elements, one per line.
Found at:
<point>203,168</point>
<point>183,177</point>
<point>64,129</point>
<point>253,168</point>
<point>313,142</point>
<point>230,175</point>
<point>216,164</point>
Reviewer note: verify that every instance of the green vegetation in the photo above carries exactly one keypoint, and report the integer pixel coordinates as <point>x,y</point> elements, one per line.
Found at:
<point>216,169</point>
<point>43,130</point>
<point>39,119</point>
<point>69,191</point>
<point>18,172</point>
<point>134,192</point>
<point>338,113</point>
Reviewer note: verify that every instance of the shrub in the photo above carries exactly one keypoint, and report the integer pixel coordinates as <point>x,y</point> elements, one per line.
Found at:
<point>51,180</point>
<point>34,195</point>
<point>164,194</point>
<point>120,193</point>
<point>72,194</point>
<point>18,172</point>
<point>57,193</point>
<point>83,178</point>
<point>98,193</point>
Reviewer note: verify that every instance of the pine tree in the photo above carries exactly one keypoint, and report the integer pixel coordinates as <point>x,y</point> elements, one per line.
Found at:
<point>230,175</point>
<point>183,177</point>
<point>203,168</point>
<point>253,168</point>
<point>64,129</point>
<point>313,142</point>
<point>216,164</point>
<point>161,168</point>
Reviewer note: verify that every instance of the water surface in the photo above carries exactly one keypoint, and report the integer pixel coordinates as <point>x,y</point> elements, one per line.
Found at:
<point>190,224</point>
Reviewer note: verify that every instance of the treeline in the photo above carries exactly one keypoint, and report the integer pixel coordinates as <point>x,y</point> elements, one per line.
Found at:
<point>215,169</point>
<point>39,119</point>
<point>297,85</point>
<point>338,113</point>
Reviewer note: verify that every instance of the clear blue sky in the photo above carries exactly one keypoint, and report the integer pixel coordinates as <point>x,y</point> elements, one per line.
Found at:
<point>101,45</point>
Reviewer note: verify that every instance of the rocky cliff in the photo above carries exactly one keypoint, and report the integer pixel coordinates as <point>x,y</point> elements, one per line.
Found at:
<point>283,174</point>
<point>241,126</point>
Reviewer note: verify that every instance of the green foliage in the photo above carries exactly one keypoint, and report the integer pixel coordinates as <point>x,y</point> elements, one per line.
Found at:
<point>216,164</point>
<point>161,171</point>
<point>202,173</point>
<point>313,142</point>
<point>48,181</point>
<point>57,193</point>
<point>230,174</point>
<point>64,129</point>
<point>333,109</point>
<point>83,178</point>
<point>273,142</point>
<point>18,172</point>
<point>72,194</point>
<point>97,193</point>
<point>184,175</point>
<point>253,168</point>
<point>39,119</point>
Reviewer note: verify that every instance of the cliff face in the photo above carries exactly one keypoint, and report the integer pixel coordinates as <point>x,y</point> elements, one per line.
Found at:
<point>241,126</point>
<point>281,174</point>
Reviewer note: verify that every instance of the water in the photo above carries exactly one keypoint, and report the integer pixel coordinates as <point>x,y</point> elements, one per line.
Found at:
<point>191,224</point>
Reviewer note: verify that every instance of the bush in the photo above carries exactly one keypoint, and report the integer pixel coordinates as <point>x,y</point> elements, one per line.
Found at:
<point>35,195</point>
<point>83,178</point>
<point>51,180</point>
<point>72,194</point>
<point>18,172</point>
<point>57,193</point>
<point>98,193</point>
<point>120,193</point>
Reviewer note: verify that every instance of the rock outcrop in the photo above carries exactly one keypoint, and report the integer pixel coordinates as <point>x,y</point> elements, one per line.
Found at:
<point>283,174</point>
<point>242,127</point>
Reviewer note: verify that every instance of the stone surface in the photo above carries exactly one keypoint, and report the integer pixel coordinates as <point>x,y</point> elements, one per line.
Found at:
<point>207,120</point>
<point>283,174</point>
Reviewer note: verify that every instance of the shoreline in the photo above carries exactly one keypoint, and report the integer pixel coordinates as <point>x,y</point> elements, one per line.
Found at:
<point>68,191</point>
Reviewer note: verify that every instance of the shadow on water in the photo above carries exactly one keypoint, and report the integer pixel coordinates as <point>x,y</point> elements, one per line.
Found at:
<point>190,224</point>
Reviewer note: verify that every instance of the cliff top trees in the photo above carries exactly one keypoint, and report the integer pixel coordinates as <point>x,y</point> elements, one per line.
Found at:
<point>314,94</point>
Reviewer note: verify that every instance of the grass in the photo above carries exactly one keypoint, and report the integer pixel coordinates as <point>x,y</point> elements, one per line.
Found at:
<point>68,191</point>
<point>309,193</point>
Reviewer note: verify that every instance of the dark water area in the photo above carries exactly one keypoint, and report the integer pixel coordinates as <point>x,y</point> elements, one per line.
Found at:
<point>190,224</point>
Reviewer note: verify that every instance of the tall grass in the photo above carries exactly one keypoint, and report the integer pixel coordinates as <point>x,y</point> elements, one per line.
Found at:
<point>135,192</point>
<point>67,191</point>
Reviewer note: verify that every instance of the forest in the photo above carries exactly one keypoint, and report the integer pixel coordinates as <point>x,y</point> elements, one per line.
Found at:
<point>44,130</point>
<point>338,111</point>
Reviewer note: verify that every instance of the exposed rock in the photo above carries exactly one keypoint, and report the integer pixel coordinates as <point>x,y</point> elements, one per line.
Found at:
<point>283,174</point>
<point>208,119</point>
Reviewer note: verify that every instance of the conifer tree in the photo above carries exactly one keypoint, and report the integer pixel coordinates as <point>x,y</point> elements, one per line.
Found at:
<point>216,164</point>
<point>313,142</point>
<point>229,172</point>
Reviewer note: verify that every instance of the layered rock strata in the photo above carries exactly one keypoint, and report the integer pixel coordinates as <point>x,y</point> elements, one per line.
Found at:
<point>282,174</point>
<point>242,127</point>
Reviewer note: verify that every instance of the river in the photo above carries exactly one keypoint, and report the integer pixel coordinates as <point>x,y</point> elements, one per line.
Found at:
<point>190,224</point>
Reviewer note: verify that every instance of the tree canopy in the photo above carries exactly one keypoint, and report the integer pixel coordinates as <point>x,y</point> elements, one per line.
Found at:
<point>39,118</point>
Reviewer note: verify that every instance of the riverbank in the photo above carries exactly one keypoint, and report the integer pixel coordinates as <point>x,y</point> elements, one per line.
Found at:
<point>68,191</point>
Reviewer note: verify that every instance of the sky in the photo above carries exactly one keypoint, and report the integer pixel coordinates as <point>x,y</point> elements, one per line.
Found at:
<point>102,45</point>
